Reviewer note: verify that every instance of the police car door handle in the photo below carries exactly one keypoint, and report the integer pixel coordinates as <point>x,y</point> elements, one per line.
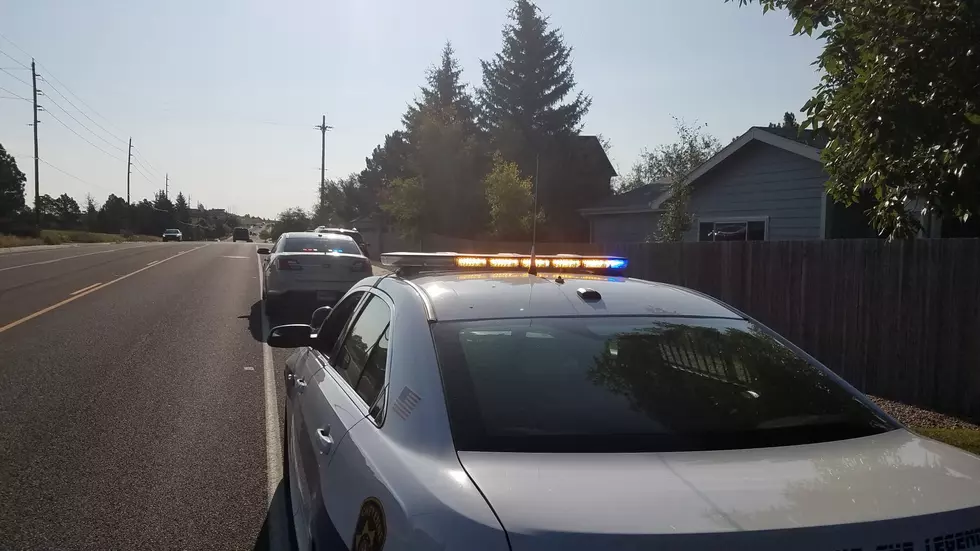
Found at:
<point>324,440</point>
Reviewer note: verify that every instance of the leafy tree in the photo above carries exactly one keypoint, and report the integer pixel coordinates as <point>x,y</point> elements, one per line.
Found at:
<point>11,185</point>
<point>341,202</point>
<point>899,102</point>
<point>511,200</point>
<point>387,163</point>
<point>66,211</point>
<point>405,203</point>
<point>671,163</point>
<point>113,214</point>
<point>526,83</point>
<point>293,219</point>
<point>789,122</point>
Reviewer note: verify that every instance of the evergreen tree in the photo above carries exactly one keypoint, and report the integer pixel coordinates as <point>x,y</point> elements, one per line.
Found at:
<point>525,84</point>
<point>444,93</point>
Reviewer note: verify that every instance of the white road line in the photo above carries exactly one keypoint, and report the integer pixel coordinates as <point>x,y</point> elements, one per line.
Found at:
<point>152,262</point>
<point>273,442</point>
<point>69,258</point>
<point>81,294</point>
<point>83,289</point>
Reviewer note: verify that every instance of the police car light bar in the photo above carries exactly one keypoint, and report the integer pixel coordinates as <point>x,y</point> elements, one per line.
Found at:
<point>459,261</point>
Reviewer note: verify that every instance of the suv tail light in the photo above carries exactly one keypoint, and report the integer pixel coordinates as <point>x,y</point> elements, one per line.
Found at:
<point>360,266</point>
<point>283,263</point>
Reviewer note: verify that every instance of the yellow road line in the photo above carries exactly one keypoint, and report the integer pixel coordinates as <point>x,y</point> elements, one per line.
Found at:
<point>43,311</point>
<point>86,288</point>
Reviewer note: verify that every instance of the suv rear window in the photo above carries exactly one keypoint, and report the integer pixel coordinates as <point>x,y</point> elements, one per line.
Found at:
<point>332,244</point>
<point>633,384</point>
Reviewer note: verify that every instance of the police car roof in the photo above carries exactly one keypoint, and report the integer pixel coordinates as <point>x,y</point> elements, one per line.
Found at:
<point>314,235</point>
<point>488,295</point>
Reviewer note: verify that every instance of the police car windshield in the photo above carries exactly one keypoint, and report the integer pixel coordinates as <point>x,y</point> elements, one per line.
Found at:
<point>637,384</point>
<point>333,244</point>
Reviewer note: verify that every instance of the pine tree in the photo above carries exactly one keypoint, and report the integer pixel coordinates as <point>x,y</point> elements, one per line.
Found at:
<point>444,93</point>
<point>525,84</point>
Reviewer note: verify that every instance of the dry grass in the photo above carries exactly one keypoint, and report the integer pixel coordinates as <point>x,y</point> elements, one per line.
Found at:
<point>59,237</point>
<point>967,439</point>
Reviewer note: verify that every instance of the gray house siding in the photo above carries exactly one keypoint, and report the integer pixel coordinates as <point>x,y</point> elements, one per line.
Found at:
<point>761,181</point>
<point>623,227</point>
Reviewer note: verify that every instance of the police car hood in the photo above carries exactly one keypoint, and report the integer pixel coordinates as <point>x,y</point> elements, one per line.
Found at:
<point>861,493</point>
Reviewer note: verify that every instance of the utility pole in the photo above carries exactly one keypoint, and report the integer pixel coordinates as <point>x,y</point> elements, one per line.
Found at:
<point>37,187</point>
<point>129,168</point>
<point>166,188</point>
<point>323,154</point>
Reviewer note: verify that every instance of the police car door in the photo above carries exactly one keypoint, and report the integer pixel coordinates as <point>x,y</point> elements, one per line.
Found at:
<point>313,413</point>
<point>357,503</point>
<point>352,372</point>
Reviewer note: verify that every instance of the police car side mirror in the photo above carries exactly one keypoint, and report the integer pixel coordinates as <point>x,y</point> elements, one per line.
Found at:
<point>319,315</point>
<point>262,250</point>
<point>293,335</point>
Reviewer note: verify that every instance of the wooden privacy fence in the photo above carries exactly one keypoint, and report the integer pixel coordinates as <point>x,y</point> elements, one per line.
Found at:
<point>899,320</point>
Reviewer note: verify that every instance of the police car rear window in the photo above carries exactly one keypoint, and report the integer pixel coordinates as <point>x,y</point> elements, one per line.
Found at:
<point>637,385</point>
<point>333,244</point>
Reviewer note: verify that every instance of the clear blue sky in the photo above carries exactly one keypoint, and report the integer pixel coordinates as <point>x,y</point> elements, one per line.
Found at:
<point>224,94</point>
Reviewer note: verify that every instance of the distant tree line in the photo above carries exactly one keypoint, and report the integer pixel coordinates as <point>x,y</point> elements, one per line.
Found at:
<point>114,215</point>
<point>463,162</point>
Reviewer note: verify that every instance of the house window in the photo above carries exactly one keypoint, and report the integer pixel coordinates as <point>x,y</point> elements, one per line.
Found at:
<point>747,230</point>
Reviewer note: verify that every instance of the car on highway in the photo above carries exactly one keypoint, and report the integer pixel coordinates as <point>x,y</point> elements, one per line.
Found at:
<point>353,233</point>
<point>310,268</point>
<point>173,235</point>
<point>474,402</point>
<point>240,234</point>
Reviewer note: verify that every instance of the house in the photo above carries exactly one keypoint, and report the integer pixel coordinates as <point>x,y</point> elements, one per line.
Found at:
<point>768,184</point>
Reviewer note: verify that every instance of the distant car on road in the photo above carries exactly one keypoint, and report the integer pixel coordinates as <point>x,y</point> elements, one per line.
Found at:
<point>466,403</point>
<point>173,235</point>
<point>311,268</point>
<point>352,233</point>
<point>240,234</point>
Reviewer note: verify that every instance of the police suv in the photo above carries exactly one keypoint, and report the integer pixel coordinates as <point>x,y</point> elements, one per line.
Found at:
<point>494,402</point>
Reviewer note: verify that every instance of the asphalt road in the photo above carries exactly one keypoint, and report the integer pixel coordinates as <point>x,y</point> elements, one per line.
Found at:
<point>139,408</point>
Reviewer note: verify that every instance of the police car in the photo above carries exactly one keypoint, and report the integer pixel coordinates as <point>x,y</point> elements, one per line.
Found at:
<point>494,402</point>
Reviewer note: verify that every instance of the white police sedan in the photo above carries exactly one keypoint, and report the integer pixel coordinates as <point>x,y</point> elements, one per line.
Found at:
<point>465,403</point>
<point>312,268</point>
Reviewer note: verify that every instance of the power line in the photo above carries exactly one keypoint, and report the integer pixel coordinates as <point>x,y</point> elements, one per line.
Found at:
<point>15,77</point>
<point>80,123</point>
<point>15,60</point>
<point>72,130</point>
<point>140,163</point>
<point>147,160</point>
<point>13,94</point>
<point>53,87</point>
<point>70,175</point>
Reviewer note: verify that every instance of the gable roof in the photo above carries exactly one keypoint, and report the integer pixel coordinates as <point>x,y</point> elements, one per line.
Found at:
<point>775,137</point>
<point>635,200</point>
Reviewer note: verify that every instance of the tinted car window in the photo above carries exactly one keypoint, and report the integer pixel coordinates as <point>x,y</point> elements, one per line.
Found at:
<point>333,244</point>
<point>372,377</point>
<point>637,384</point>
<point>361,341</point>
<point>331,328</point>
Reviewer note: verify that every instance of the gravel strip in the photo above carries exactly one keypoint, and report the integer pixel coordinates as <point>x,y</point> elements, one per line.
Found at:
<point>915,416</point>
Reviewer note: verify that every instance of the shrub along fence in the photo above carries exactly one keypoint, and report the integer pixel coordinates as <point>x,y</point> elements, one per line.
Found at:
<point>900,320</point>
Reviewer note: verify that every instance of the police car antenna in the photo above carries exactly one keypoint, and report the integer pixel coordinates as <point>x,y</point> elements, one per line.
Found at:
<point>532,269</point>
